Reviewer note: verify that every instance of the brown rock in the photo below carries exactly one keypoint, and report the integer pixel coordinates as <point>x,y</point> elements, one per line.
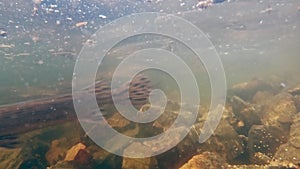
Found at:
<point>166,120</point>
<point>260,158</point>
<point>265,140</point>
<point>118,121</point>
<point>280,111</point>
<point>295,91</point>
<point>72,153</point>
<point>154,146</point>
<point>295,131</point>
<point>99,154</point>
<point>297,102</point>
<point>275,165</point>
<point>57,151</point>
<point>224,140</point>
<point>289,153</point>
<point>83,157</point>
<point>245,113</point>
<point>291,150</point>
<point>247,167</point>
<point>247,90</point>
<point>204,161</point>
<point>139,163</point>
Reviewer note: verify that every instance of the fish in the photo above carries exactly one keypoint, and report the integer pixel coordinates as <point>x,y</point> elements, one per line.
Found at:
<point>26,116</point>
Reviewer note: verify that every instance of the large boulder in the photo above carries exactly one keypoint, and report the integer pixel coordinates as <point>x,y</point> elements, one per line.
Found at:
<point>291,150</point>
<point>264,139</point>
<point>247,90</point>
<point>279,111</point>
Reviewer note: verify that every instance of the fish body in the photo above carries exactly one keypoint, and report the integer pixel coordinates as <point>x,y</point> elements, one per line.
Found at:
<point>26,116</point>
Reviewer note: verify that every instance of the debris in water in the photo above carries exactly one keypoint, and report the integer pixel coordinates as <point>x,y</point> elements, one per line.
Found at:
<point>204,4</point>
<point>267,10</point>
<point>3,32</point>
<point>22,54</point>
<point>40,62</point>
<point>36,3</point>
<point>35,38</point>
<point>102,16</point>
<point>80,24</point>
<point>7,46</point>
<point>283,85</point>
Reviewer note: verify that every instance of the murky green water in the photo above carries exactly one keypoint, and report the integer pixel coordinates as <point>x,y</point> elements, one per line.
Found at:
<point>254,39</point>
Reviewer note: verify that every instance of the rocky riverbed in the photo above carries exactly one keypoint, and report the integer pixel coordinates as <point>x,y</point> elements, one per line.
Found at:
<point>260,128</point>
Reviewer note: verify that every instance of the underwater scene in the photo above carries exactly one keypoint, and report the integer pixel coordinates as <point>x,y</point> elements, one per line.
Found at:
<point>149,84</point>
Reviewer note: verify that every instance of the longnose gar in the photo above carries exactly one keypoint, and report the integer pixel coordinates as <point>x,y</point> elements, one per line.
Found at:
<point>25,116</point>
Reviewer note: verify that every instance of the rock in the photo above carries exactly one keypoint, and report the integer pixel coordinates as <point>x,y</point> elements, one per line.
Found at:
<point>260,158</point>
<point>121,143</point>
<point>205,160</point>
<point>72,153</point>
<point>265,140</point>
<point>246,114</point>
<point>225,140</point>
<point>295,131</point>
<point>169,116</point>
<point>295,91</point>
<point>166,120</point>
<point>262,97</point>
<point>98,154</point>
<point>57,151</point>
<point>83,157</point>
<point>139,163</point>
<point>247,90</point>
<point>269,166</point>
<point>118,121</point>
<point>291,150</point>
<point>246,167</point>
<point>297,102</point>
<point>288,154</point>
<point>155,146</point>
<point>276,120</point>
<point>238,104</point>
<point>62,165</point>
<point>279,111</point>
